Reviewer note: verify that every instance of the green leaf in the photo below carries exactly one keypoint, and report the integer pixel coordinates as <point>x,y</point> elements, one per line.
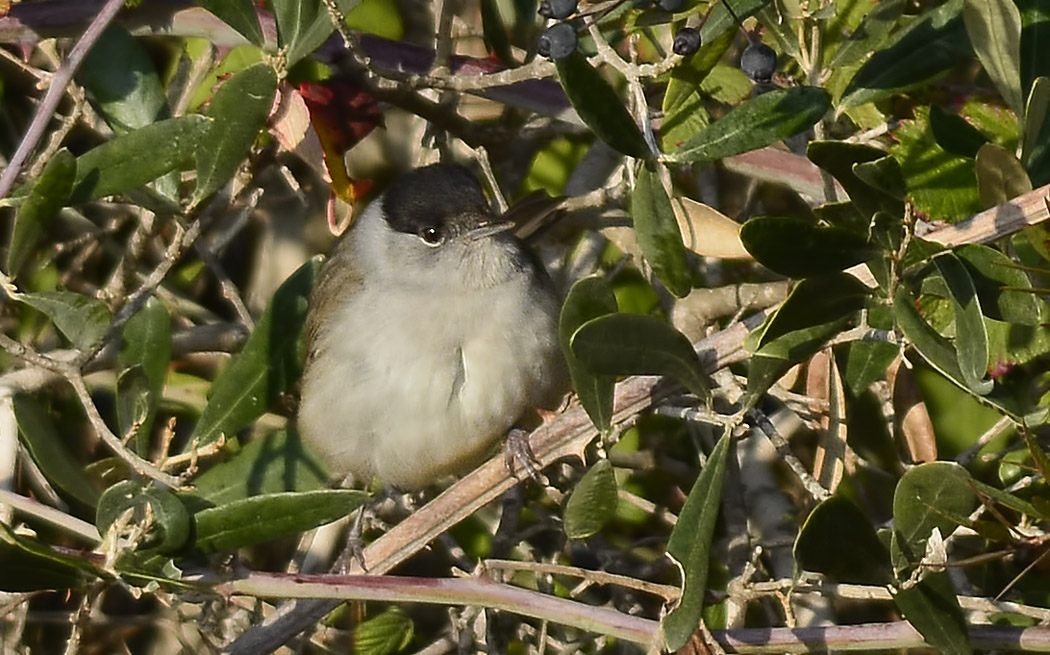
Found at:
<point>1036,149</point>
<point>267,366</point>
<point>971,339</point>
<point>933,609</point>
<point>866,362</point>
<point>757,123</point>
<point>926,49</point>
<point>955,134</point>
<point>271,464</point>
<point>839,541</point>
<point>841,160</point>
<point>1000,177</point>
<point>658,234</point>
<point>929,496</point>
<point>50,450</point>
<point>762,373</point>
<point>262,518</point>
<point>592,502</point>
<point>934,348</point>
<point>303,25</point>
<point>1001,285</point>
<point>994,27</point>
<point>140,156</point>
<point>49,193</point>
<point>631,344</point>
<point>238,14</point>
<point>719,20</point>
<point>691,72</point>
<point>145,346</point>
<point>690,545</point>
<point>384,634</point>
<point>32,566</point>
<point>1035,42</point>
<point>123,81</point>
<point>799,248</point>
<point>589,298</point>
<point>869,34</point>
<point>940,184</point>
<point>816,310</point>
<point>884,175</point>
<point>238,111</point>
<point>170,520</point>
<point>80,319</point>
<point>599,106</point>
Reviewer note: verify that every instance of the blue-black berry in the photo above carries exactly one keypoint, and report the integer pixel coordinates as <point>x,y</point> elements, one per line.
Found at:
<point>759,62</point>
<point>558,42</point>
<point>686,42</point>
<point>670,5</point>
<point>557,9</point>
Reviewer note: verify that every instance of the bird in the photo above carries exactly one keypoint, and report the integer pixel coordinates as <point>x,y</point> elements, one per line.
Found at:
<point>431,331</point>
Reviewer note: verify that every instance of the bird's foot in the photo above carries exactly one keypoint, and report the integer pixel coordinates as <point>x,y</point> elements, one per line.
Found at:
<point>517,453</point>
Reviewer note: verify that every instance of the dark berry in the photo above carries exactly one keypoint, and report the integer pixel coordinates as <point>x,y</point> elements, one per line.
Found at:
<point>759,62</point>
<point>670,5</point>
<point>558,42</point>
<point>557,9</point>
<point>686,42</point>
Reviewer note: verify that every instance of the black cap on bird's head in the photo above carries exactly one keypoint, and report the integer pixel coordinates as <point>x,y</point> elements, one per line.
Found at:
<point>437,202</point>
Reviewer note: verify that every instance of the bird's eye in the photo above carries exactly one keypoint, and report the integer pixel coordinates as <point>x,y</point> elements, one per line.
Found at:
<point>431,236</point>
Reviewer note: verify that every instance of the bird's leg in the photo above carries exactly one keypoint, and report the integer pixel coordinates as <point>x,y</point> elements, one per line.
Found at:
<point>354,550</point>
<point>517,452</point>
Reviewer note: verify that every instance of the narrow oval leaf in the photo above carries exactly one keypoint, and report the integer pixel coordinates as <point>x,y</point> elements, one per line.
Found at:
<point>80,319</point>
<point>925,50</point>
<point>599,106</point>
<point>303,25</point>
<point>971,338</point>
<point>123,81</point>
<point>170,528</point>
<point>1000,177</point>
<point>934,348</point>
<point>262,518</point>
<point>50,450</point>
<point>757,123</point>
<point>1036,149</point>
<point>868,35</point>
<point>866,362</point>
<point>656,228</point>
<point>238,14</point>
<point>690,546</point>
<point>932,607</point>
<point>592,502</point>
<point>1001,285</point>
<point>589,298</point>
<point>133,159</point>
<point>271,464</point>
<point>814,312</point>
<point>266,367</point>
<point>839,541</point>
<point>936,495</point>
<point>145,344</point>
<point>719,20</point>
<point>238,111</point>
<point>994,27</point>
<point>632,344</point>
<point>50,192</point>
<point>799,248</point>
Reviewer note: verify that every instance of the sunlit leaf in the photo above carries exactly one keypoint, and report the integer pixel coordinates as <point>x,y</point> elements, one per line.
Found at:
<point>868,35</point>
<point>758,122</point>
<point>262,518</point>
<point>238,111</point>
<point>170,520</point>
<point>1000,285</point>
<point>1000,176</point>
<point>384,634</point>
<point>303,25</point>
<point>971,339</point>
<point>994,27</point>
<point>928,497</point>
<point>266,366</point>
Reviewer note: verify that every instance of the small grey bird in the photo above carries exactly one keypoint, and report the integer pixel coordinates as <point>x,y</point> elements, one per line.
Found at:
<point>431,331</point>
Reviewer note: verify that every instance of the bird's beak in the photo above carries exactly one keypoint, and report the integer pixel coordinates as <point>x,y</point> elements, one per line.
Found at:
<point>488,228</point>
